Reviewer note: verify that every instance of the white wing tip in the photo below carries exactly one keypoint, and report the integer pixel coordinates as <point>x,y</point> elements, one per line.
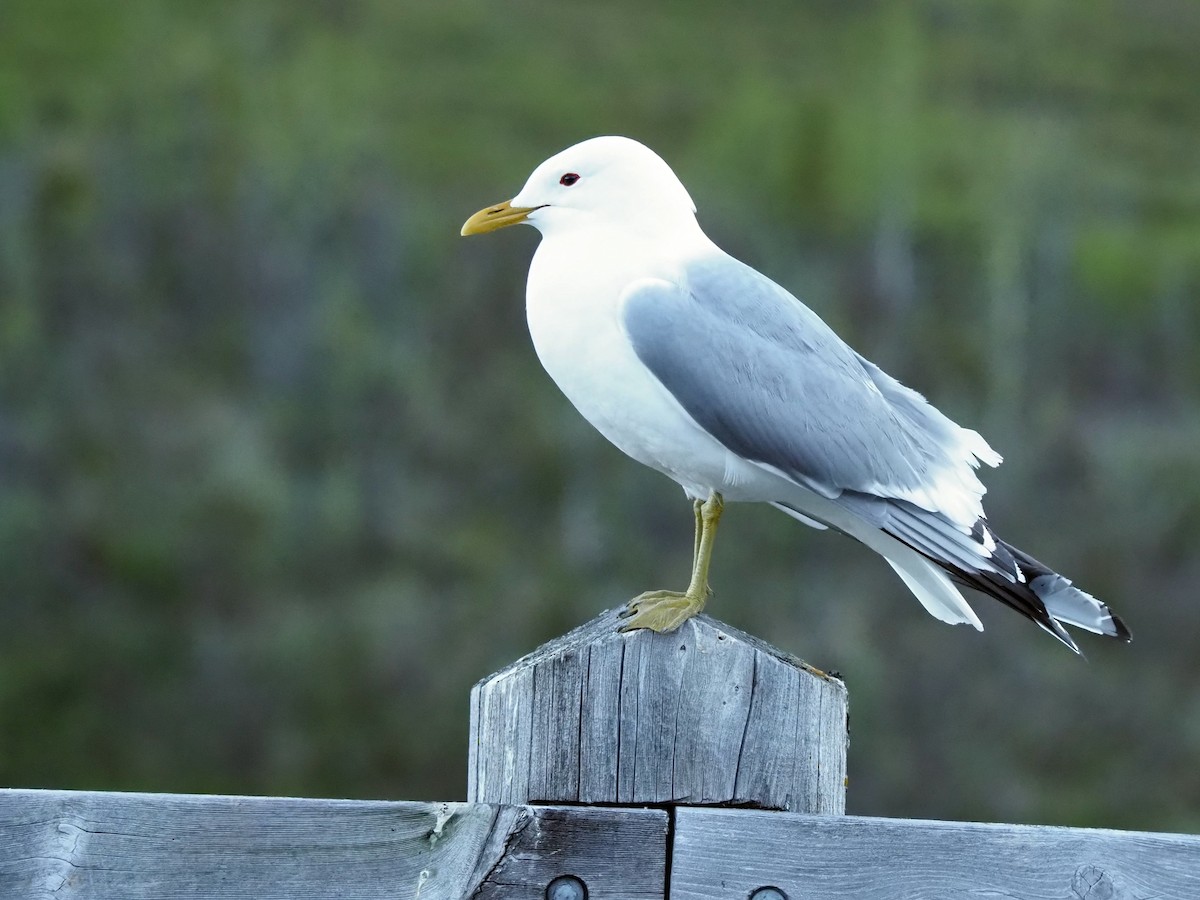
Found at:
<point>980,449</point>
<point>937,593</point>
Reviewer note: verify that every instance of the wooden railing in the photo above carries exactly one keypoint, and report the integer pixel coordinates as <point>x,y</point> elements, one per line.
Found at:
<point>701,764</point>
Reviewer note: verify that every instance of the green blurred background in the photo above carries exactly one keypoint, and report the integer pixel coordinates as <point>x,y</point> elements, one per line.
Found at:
<point>280,476</point>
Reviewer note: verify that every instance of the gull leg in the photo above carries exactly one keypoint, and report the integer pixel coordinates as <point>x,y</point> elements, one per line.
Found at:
<point>664,611</point>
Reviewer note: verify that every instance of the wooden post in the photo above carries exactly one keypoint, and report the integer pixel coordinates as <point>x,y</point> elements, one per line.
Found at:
<point>705,715</point>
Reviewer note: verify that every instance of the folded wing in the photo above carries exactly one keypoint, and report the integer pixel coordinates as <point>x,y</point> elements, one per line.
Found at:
<point>766,377</point>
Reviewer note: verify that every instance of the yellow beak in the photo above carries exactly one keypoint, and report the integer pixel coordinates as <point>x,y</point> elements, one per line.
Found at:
<point>498,216</point>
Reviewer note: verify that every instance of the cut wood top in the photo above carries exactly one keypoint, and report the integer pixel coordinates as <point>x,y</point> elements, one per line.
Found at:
<point>704,715</point>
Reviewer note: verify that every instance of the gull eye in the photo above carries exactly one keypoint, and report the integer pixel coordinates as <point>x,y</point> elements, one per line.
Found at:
<point>569,179</point>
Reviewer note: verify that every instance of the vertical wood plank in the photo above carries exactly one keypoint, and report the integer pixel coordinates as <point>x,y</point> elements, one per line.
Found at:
<point>557,689</point>
<point>506,726</point>
<point>600,708</point>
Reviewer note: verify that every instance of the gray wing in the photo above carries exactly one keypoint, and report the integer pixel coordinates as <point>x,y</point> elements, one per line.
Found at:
<point>771,381</point>
<point>767,378</point>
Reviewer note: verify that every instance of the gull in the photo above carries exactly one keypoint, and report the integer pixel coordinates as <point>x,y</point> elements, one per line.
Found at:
<point>697,365</point>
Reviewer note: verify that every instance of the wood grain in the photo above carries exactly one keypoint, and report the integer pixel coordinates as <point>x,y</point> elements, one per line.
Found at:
<point>731,853</point>
<point>704,715</point>
<point>67,844</point>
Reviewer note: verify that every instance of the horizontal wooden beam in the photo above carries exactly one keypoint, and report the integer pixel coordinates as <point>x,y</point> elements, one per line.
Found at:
<point>136,846</point>
<point>68,844</point>
<point>721,853</point>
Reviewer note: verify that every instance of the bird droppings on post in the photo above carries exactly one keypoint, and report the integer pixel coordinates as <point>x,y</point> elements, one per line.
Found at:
<point>444,815</point>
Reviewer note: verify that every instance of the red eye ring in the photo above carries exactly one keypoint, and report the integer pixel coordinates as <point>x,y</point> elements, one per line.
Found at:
<point>569,179</point>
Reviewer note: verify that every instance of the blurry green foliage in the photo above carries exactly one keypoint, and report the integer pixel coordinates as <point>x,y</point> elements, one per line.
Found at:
<point>280,475</point>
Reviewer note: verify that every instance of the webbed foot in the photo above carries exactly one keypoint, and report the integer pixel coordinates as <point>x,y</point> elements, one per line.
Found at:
<point>660,611</point>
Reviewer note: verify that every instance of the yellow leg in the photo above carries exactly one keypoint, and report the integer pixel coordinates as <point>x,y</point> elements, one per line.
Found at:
<point>697,509</point>
<point>664,611</point>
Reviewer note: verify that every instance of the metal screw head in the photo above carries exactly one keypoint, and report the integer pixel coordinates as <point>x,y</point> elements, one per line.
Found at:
<point>768,892</point>
<point>566,887</point>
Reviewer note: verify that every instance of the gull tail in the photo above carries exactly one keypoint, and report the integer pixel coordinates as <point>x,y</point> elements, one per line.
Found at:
<point>932,555</point>
<point>1066,602</point>
<point>1046,597</point>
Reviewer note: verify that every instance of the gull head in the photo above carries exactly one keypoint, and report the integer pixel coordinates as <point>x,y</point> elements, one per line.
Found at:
<point>601,181</point>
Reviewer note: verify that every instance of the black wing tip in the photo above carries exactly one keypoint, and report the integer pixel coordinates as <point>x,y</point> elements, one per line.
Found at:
<point>1117,629</point>
<point>1063,636</point>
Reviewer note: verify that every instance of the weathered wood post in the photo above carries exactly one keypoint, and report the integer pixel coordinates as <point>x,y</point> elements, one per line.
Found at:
<point>704,716</point>
<point>595,765</point>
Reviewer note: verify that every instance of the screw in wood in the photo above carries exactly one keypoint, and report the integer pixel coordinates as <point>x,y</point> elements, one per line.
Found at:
<point>567,887</point>
<point>768,892</point>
